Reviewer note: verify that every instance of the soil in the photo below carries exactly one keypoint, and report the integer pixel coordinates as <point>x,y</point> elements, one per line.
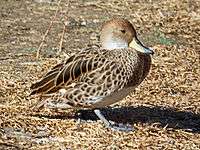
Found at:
<point>164,110</point>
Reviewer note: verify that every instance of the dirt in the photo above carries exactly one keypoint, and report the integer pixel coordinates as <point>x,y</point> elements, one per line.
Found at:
<point>164,110</point>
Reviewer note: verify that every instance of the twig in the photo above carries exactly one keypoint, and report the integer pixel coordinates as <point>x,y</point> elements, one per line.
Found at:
<point>64,28</point>
<point>61,40</point>
<point>47,31</point>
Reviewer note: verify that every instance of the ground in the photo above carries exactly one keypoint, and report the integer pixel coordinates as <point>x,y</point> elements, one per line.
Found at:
<point>165,108</point>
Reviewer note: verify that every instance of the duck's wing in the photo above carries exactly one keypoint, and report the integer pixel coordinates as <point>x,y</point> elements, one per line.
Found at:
<point>77,66</point>
<point>63,73</point>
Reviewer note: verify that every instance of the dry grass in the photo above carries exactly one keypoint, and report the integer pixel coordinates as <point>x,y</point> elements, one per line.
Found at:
<point>164,109</point>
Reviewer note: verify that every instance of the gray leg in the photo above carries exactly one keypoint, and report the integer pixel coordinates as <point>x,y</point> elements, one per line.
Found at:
<point>102,118</point>
<point>113,125</point>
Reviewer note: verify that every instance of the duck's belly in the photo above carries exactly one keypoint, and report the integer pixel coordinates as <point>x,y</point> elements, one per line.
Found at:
<point>111,99</point>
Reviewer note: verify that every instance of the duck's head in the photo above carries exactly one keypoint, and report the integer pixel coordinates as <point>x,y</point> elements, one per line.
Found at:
<point>120,33</point>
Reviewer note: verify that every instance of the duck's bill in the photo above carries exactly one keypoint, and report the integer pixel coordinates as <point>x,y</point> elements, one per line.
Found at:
<point>137,45</point>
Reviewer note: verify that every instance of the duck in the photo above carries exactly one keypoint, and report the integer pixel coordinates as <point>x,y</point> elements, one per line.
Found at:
<point>98,77</point>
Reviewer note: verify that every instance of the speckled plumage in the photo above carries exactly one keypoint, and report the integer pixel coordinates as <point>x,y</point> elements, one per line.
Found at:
<point>92,75</point>
<point>98,77</point>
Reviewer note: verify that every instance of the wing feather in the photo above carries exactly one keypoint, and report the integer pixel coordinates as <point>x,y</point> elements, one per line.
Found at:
<point>64,73</point>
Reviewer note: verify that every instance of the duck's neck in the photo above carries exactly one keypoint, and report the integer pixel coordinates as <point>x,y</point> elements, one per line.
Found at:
<point>114,44</point>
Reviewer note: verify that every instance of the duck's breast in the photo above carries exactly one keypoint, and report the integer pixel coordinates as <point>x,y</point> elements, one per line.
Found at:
<point>140,69</point>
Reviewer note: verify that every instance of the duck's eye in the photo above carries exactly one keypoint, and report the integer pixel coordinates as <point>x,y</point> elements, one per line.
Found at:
<point>123,31</point>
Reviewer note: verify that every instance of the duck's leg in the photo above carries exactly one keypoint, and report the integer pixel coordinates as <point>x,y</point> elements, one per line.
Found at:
<point>111,124</point>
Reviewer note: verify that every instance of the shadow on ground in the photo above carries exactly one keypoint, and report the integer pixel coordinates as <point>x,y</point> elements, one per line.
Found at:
<point>165,117</point>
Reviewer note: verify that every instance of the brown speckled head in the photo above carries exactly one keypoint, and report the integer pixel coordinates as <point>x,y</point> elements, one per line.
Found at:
<point>120,33</point>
